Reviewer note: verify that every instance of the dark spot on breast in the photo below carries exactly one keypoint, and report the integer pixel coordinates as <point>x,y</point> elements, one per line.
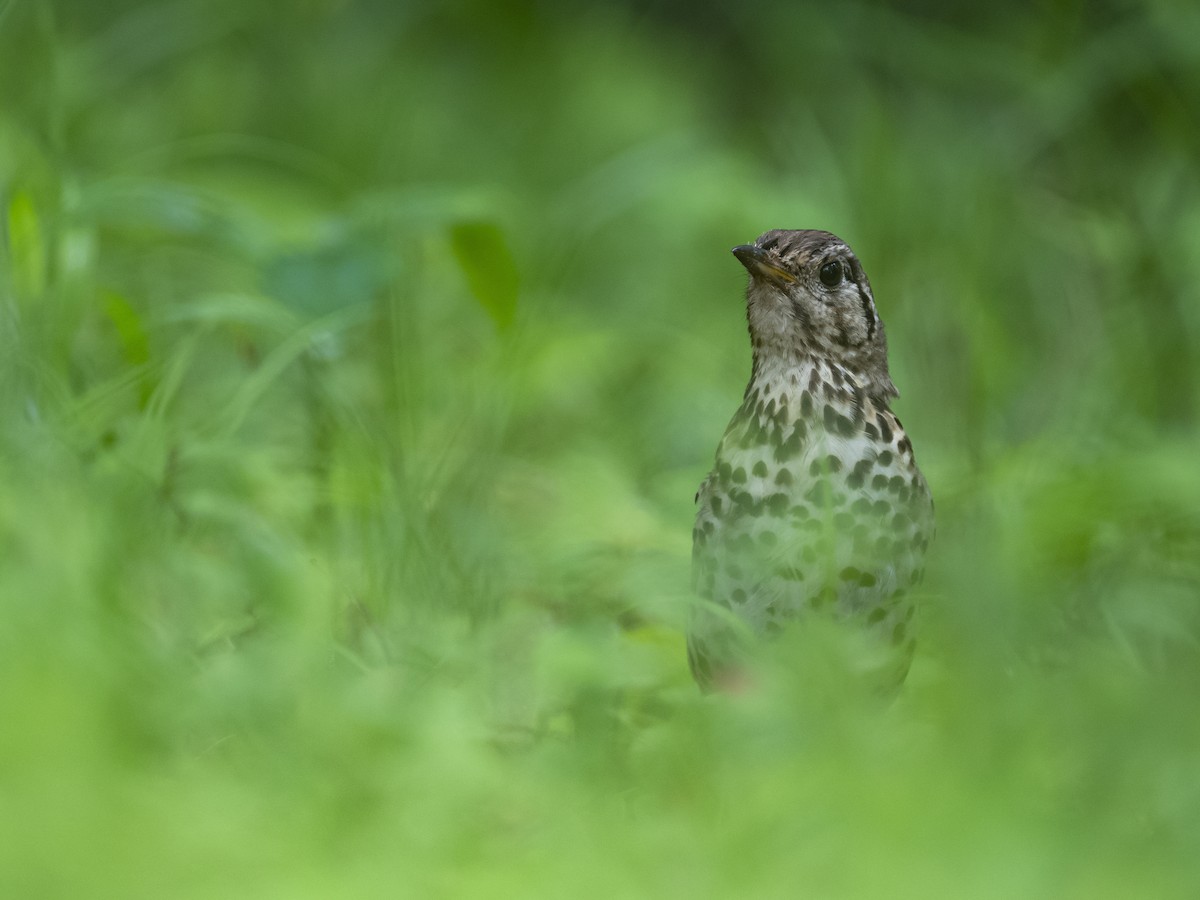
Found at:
<point>898,633</point>
<point>739,475</point>
<point>827,597</point>
<point>881,507</point>
<point>867,579</point>
<point>806,404</point>
<point>783,477</point>
<point>790,448</point>
<point>849,574</point>
<point>885,432</point>
<point>895,483</point>
<point>790,573</point>
<point>755,435</point>
<point>715,505</point>
<point>878,614</point>
<point>905,446</point>
<point>859,475</point>
<point>743,412</point>
<point>885,458</point>
<point>879,482</point>
<point>738,596</point>
<point>861,506</point>
<point>871,431</point>
<point>819,494</point>
<point>760,469</point>
<point>768,538</point>
<point>845,426</point>
<point>799,512</point>
<point>858,405</point>
<point>724,472</point>
<point>777,504</point>
<point>830,418</point>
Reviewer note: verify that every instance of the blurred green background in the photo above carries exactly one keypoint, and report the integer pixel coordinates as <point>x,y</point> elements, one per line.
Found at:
<point>359,362</point>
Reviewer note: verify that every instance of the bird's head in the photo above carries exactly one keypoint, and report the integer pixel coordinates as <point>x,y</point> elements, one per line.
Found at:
<point>809,296</point>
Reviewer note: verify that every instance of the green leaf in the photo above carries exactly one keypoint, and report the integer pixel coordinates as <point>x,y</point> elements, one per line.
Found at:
<point>134,342</point>
<point>25,245</point>
<point>489,267</point>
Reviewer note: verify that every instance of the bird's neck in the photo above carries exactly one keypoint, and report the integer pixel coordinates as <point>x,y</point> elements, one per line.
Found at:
<point>789,377</point>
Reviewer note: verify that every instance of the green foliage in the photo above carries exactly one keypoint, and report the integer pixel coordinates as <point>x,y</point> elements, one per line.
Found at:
<point>489,267</point>
<point>358,365</point>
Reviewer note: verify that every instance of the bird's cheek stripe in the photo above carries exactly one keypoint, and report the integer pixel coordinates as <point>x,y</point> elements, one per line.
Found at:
<point>868,311</point>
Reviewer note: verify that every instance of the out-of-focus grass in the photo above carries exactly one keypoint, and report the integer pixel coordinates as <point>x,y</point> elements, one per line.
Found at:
<point>358,364</point>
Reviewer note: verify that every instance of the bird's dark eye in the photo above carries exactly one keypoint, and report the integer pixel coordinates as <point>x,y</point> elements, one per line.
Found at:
<point>831,273</point>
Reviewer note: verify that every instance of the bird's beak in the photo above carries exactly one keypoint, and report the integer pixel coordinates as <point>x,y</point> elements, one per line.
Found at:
<point>759,264</point>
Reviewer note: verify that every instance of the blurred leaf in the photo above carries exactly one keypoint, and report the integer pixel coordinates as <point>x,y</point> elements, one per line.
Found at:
<point>134,343</point>
<point>26,246</point>
<point>491,272</point>
<point>326,279</point>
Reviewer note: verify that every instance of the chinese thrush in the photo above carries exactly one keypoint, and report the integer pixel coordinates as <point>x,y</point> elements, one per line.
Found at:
<point>815,502</point>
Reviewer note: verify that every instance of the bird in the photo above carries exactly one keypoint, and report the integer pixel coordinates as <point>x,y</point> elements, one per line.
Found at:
<point>815,505</point>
